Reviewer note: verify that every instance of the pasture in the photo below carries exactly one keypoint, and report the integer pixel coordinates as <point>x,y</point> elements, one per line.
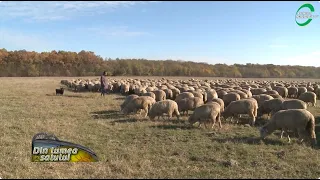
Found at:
<point>135,147</point>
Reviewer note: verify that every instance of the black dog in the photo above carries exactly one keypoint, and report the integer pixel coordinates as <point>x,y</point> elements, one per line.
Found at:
<point>59,91</point>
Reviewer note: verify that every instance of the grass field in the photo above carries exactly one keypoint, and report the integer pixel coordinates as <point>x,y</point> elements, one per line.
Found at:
<point>133,147</point>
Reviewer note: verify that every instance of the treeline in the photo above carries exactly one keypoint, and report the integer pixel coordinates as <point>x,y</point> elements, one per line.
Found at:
<point>85,63</point>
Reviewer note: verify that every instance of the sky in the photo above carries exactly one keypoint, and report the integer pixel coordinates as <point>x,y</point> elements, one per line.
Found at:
<point>211,32</point>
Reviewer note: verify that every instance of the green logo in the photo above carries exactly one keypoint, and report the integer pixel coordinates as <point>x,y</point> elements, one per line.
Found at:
<point>305,15</point>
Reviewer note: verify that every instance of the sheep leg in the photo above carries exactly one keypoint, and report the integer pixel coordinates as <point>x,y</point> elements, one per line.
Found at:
<point>289,140</point>
<point>146,112</point>
<point>205,124</point>
<point>213,122</point>
<point>219,120</point>
<point>281,135</point>
<point>169,116</point>
<point>300,135</point>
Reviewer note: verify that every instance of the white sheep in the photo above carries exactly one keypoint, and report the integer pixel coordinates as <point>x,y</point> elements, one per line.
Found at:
<point>206,113</point>
<point>292,119</point>
<point>160,108</point>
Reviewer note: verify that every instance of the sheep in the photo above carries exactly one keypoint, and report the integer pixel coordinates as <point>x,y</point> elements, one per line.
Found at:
<point>292,119</point>
<point>228,98</point>
<point>221,93</point>
<point>283,91</point>
<point>151,94</point>
<point>271,92</point>
<point>198,94</point>
<point>187,104</point>
<point>292,92</point>
<point>219,101</point>
<point>257,91</point>
<point>127,100</point>
<point>169,93</point>
<point>248,92</point>
<point>175,93</point>
<point>206,113</point>
<point>301,90</point>
<point>211,94</point>
<point>160,95</point>
<point>242,94</point>
<point>168,106</point>
<point>184,95</point>
<point>141,102</point>
<point>243,106</point>
<point>261,98</point>
<point>270,106</point>
<point>124,88</point>
<point>293,104</point>
<point>276,96</point>
<point>309,97</point>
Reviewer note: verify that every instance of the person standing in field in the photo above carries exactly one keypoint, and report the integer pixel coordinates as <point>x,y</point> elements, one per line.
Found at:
<point>104,83</point>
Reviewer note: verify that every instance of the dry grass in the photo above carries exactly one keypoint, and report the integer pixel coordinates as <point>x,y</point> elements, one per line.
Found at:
<point>131,147</point>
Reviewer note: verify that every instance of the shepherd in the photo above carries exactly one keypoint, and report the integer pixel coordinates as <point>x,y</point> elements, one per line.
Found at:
<point>104,83</point>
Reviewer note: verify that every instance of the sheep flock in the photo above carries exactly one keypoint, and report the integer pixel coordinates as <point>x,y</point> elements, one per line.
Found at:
<point>212,100</point>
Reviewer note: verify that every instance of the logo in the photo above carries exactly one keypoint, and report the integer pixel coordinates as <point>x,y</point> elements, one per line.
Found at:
<point>305,16</point>
<point>48,148</point>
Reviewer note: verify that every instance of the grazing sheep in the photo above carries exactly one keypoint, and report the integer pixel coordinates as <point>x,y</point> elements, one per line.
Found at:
<point>175,93</point>
<point>230,97</point>
<point>309,97</point>
<point>160,108</point>
<point>205,114</point>
<point>261,98</point>
<point>59,91</point>
<point>221,93</point>
<point>283,91</point>
<point>169,93</point>
<point>292,119</point>
<point>151,94</point>
<point>271,92</point>
<point>257,91</point>
<point>293,104</point>
<point>219,101</point>
<point>211,94</point>
<point>292,92</point>
<point>124,88</point>
<point>310,89</point>
<point>242,94</point>
<point>160,95</point>
<point>127,100</point>
<point>270,106</point>
<point>276,96</point>
<point>142,102</point>
<point>301,90</point>
<point>198,94</point>
<point>187,104</point>
<point>184,95</point>
<point>248,92</point>
<point>243,106</point>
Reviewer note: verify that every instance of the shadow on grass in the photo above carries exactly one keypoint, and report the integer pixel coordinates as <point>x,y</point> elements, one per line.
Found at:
<point>131,120</point>
<point>69,96</point>
<point>110,114</point>
<point>249,140</point>
<point>172,126</point>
